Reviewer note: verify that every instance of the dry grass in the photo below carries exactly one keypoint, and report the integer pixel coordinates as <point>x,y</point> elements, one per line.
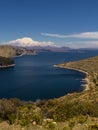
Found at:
<point>7,51</point>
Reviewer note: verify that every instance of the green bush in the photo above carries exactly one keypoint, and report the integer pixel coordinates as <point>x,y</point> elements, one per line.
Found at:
<point>82,119</point>
<point>7,107</point>
<point>71,124</point>
<point>93,127</point>
<point>65,128</point>
<point>50,126</point>
<point>74,109</point>
<point>37,118</point>
<point>6,61</point>
<point>28,114</point>
<point>11,118</point>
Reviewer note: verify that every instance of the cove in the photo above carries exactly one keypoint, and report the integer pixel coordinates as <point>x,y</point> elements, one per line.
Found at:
<point>34,77</point>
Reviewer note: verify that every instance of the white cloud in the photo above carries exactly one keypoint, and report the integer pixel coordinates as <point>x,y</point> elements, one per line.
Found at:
<point>27,41</point>
<point>90,39</point>
<point>84,35</point>
<point>82,44</point>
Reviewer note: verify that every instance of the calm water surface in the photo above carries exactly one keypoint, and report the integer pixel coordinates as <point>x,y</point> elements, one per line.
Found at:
<point>34,77</point>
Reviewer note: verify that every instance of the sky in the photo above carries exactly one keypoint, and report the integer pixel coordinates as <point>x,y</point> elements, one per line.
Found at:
<point>70,23</point>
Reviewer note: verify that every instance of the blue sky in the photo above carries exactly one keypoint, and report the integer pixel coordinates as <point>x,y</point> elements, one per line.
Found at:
<point>72,23</point>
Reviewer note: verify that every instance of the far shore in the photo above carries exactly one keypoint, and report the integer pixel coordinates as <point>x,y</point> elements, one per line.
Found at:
<point>86,86</point>
<point>23,55</point>
<point>7,66</point>
<point>12,65</point>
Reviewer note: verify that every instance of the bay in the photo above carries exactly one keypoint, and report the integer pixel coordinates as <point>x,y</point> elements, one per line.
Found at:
<point>34,76</point>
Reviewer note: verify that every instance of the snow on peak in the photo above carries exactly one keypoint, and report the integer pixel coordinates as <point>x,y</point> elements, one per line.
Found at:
<point>29,42</point>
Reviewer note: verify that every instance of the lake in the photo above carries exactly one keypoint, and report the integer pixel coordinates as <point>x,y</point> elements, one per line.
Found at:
<point>34,76</point>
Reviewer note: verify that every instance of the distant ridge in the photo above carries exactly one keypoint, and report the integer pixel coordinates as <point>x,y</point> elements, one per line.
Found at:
<point>50,48</point>
<point>29,43</point>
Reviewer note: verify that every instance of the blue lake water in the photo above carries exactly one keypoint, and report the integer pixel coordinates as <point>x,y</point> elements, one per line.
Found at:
<point>34,77</point>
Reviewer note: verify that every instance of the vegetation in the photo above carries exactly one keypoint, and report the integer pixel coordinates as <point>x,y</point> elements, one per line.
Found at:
<point>10,51</point>
<point>7,52</point>
<point>89,65</point>
<point>75,111</point>
<point>6,61</point>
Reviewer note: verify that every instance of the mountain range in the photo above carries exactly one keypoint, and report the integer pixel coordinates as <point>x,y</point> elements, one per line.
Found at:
<point>29,43</point>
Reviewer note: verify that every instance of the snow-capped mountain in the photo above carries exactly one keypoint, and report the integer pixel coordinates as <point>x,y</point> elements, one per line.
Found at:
<point>28,42</point>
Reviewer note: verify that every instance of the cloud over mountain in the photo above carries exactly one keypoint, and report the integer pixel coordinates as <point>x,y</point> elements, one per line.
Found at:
<point>29,42</point>
<point>86,43</point>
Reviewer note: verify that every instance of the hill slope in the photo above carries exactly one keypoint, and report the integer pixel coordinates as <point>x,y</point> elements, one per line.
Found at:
<point>10,51</point>
<point>7,51</point>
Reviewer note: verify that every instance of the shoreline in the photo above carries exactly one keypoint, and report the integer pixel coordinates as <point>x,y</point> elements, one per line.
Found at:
<point>7,66</point>
<point>86,79</point>
<point>23,55</point>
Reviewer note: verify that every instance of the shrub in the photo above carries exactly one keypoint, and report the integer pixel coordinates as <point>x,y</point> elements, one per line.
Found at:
<point>65,128</point>
<point>6,107</point>
<point>82,119</point>
<point>71,124</point>
<point>50,126</point>
<point>28,114</point>
<point>11,118</point>
<point>93,127</point>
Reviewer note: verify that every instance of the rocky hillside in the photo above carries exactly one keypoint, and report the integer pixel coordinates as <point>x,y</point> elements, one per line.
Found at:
<point>24,51</point>
<point>10,51</point>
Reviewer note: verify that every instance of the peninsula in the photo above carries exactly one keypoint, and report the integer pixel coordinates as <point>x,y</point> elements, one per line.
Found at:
<point>8,52</point>
<point>6,62</point>
<point>12,51</point>
<point>88,66</point>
